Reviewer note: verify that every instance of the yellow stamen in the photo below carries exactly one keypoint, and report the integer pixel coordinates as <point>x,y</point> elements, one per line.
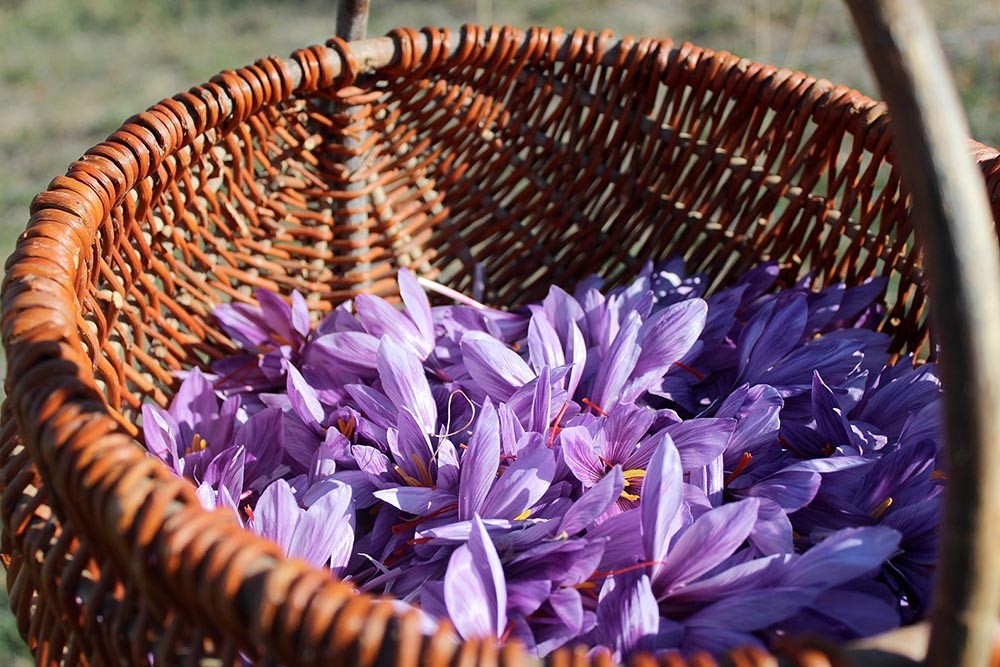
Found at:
<point>630,475</point>
<point>198,444</point>
<point>346,427</point>
<point>881,508</point>
<point>523,515</point>
<point>939,474</point>
<point>412,481</point>
<point>425,474</point>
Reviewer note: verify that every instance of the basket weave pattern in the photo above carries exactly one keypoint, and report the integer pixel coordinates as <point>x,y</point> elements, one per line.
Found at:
<point>542,156</point>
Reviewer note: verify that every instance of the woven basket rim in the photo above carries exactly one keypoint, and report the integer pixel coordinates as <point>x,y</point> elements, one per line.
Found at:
<point>52,390</point>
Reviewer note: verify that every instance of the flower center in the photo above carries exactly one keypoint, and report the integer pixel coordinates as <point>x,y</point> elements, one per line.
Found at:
<point>593,406</point>
<point>633,483</point>
<point>740,467</point>
<point>424,475</point>
<point>881,508</point>
<point>198,444</point>
<point>347,426</point>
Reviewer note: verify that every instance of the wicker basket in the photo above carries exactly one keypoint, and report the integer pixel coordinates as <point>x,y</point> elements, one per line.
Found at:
<point>543,156</point>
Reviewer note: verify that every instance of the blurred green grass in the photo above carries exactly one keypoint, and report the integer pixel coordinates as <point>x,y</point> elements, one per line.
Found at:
<point>71,72</point>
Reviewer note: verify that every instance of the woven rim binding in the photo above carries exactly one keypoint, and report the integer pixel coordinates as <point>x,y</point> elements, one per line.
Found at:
<point>149,523</point>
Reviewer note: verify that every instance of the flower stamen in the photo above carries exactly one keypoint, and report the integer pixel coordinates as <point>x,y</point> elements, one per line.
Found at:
<point>633,480</point>
<point>403,526</point>
<point>740,467</point>
<point>556,428</point>
<point>410,481</point>
<point>593,406</point>
<point>425,474</point>
<point>198,444</point>
<point>881,509</point>
<point>347,426</point>
<point>685,367</point>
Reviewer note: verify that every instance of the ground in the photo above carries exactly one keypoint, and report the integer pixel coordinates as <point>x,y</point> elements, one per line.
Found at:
<point>71,72</point>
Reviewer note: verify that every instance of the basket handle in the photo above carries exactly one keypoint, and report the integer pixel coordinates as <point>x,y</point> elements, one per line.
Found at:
<point>352,19</point>
<point>952,216</point>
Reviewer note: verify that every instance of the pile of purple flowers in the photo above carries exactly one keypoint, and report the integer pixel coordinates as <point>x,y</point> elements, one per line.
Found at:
<point>643,468</point>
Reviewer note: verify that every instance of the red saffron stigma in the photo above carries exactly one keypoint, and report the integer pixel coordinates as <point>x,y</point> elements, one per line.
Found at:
<point>404,526</point>
<point>685,367</point>
<point>556,429</point>
<point>747,458</point>
<point>610,573</point>
<point>787,445</point>
<point>506,633</point>
<point>593,406</point>
<point>248,512</point>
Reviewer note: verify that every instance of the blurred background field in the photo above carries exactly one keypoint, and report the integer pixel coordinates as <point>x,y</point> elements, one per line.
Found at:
<point>72,71</point>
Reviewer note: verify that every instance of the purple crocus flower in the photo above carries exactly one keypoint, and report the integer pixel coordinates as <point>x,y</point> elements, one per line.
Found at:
<point>322,534</point>
<point>272,335</point>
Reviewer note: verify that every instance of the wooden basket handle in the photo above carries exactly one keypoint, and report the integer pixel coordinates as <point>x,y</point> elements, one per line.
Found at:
<point>352,19</point>
<point>950,210</point>
<point>952,217</point>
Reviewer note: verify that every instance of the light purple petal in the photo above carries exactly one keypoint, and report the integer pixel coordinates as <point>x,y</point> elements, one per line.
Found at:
<point>772,534</point>
<point>304,400</point>
<point>541,402</point>
<point>479,463</point>
<point>706,543</point>
<point>325,532</point>
<point>544,347</point>
<point>383,321</point>
<point>277,513</point>
<point>577,445</point>
<point>526,596</point>
<point>752,610</point>
<point>276,314</point>
<point>405,383</point>
<point>770,335</point>
<point>665,338</point>
<point>418,308</point>
<point>660,502</point>
<point>475,591</point>
<point>592,504</point>
<point>353,352</point>
<point>497,369</point>
<point>243,323</point>
<point>522,484</point>
<point>564,623</point>
<point>416,500</point>
<point>374,405</point>
<point>624,543</point>
<point>843,556</point>
<point>195,405</point>
<point>701,441</point>
<point>300,314</point>
<point>628,617</point>
<point>792,490</point>
<point>160,432</point>
<point>617,367</point>
<point>264,439</point>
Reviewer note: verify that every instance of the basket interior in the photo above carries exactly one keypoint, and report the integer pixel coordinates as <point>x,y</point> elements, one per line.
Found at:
<point>542,170</point>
